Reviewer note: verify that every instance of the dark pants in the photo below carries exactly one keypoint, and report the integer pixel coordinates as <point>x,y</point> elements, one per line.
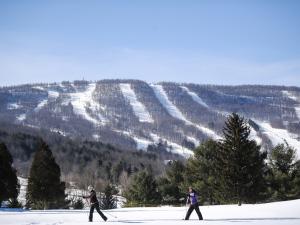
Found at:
<point>189,212</point>
<point>96,206</point>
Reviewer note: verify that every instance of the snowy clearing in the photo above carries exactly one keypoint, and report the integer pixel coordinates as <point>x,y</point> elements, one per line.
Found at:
<point>277,136</point>
<point>175,112</point>
<point>175,148</point>
<point>138,108</point>
<point>21,117</point>
<point>254,136</point>
<point>11,106</point>
<point>83,100</point>
<point>279,213</point>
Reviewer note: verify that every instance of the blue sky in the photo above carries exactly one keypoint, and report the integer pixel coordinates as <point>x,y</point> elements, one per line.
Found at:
<point>203,41</point>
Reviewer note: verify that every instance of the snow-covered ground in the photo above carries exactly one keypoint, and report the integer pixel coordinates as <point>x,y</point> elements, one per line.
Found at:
<point>138,108</point>
<point>279,213</point>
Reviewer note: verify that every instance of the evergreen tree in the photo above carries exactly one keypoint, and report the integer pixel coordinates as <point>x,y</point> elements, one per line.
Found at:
<point>284,172</point>
<point>201,174</point>
<point>78,204</point>
<point>240,164</point>
<point>108,201</point>
<point>45,190</point>
<point>143,190</point>
<point>295,192</point>
<point>169,185</point>
<point>9,186</point>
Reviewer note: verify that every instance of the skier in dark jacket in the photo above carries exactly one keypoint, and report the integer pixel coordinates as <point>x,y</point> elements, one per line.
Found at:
<point>94,204</point>
<point>192,200</point>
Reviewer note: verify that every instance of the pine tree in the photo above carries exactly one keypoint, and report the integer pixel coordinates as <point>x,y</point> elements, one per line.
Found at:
<point>170,184</point>
<point>201,174</point>
<point>284,172</point>
<point>143,190</point>
<point>45,190</point>
<point>240,164</point>
<point>9,186</point>
<point>108,200</point>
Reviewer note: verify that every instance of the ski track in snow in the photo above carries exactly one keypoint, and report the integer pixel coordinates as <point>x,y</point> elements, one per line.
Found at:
<point>175,112</point>
<point>83,100</point>
<point>293,97</point>
<point>138,108</point>
<point>195,97</point>
<point>277,213</point>
<point>277,136</point>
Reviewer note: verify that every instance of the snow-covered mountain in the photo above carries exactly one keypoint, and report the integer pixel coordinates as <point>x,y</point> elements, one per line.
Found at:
<point>135,114</point>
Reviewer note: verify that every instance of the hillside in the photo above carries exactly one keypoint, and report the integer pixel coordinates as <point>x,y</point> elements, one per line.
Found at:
<point>133,114</point>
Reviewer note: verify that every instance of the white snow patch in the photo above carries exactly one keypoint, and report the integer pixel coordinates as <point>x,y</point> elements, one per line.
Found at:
<point>21,117</point>
<point>39,88</point>
<point>277,136</point>
<point>193,140</point>
<point>142,143</point>
<point>41,105</point>
<point>53,94</point>
<point>83,100</point>
<point>175,112</point>
<point>56,130</point>
<point>138,108</point>
<point>11,106</point>
<point>254,136</point>
<point>195,97</point>
<point>175,148</point>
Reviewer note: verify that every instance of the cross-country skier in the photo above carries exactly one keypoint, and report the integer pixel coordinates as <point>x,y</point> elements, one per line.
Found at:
<point>192,200</point>
<point>94,204</point>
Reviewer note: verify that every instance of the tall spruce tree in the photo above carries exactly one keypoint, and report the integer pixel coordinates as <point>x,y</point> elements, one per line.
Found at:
<point>45,190</point>
<point>9,186</point>
<point>108,200</point>
<point>284,173</point>
<point>143,190</point>
<point>201,174</point>
<point>240,164</point>
<point>170,184</point>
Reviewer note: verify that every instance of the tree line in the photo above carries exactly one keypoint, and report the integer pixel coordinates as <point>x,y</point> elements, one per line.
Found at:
<point>232,170</point>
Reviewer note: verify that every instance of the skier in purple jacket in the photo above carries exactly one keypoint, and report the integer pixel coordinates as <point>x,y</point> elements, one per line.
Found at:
<point>192,199</point>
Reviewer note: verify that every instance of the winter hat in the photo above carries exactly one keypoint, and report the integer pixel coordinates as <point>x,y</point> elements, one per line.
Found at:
<point>90,188</point>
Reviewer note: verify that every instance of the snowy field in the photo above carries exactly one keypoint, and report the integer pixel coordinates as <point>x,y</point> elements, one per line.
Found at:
<point>261,214</point>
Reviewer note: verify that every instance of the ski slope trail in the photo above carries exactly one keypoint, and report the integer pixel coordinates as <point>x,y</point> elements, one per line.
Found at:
<point>82,101</point>
<point>138,108</point>
<point>279,213</point>
<point>176,113</point>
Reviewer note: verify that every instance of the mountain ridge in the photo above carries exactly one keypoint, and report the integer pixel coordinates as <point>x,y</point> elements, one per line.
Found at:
<point>134,114</point>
